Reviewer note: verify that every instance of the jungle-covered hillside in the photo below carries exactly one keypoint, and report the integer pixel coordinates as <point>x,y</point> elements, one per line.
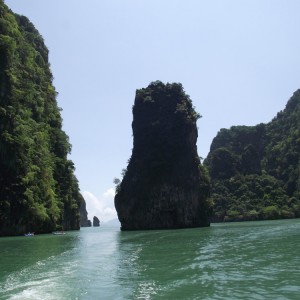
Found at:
<point>38,189</point>
<point>255,170</point>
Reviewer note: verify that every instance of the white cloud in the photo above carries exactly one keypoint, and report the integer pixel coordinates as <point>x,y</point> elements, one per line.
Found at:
<point>110,193</point>
<point>103,207</point>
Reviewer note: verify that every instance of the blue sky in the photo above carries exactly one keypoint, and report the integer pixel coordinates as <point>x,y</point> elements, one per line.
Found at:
<point>238,60</point>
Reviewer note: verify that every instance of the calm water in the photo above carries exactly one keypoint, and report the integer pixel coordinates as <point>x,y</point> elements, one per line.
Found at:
<point>252,260</point>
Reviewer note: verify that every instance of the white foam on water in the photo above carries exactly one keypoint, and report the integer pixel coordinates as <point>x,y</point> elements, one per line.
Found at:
<point>43,280</point>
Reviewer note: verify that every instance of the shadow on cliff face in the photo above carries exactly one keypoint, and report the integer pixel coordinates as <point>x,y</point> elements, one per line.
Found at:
<point>164,186</point>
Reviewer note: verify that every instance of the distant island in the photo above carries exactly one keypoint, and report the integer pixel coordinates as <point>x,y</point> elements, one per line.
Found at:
<point>164,185</point>
<point>38,189</point>
<point>255,170</point>
<point>96,222</point>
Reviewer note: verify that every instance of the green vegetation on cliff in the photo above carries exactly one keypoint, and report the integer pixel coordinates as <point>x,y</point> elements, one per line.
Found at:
<point>38,189</point>
<point>255,170</point>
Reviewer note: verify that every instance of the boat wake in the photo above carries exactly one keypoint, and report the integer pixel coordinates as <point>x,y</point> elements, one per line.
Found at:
<point>43,280</point>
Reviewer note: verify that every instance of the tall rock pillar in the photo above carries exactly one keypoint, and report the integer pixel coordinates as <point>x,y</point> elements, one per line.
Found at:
<point>165,185</point>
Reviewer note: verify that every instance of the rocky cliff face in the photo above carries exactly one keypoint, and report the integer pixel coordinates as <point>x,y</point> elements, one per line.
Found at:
<point>84,222</point>
<point>164,185</point>
<point>96,222</point>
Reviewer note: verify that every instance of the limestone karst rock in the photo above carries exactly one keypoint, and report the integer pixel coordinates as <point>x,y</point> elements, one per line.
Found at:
<point>83,214</point>
<point>39,191</point>
<point>96,222</point>
<point>254,170</point>
<point>164,185</point>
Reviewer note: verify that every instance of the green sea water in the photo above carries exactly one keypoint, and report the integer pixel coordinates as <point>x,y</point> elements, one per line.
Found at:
<point>250,260</point>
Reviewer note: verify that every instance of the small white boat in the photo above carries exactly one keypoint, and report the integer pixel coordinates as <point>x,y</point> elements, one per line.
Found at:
<point>58,233</point>
<point>29,234</point>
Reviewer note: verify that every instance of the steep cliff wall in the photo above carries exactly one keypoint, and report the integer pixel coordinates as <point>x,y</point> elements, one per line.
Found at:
<point>84,222</point>
<point>96,222</point>
<point>164,185</point>
<point>38,189</point>
<point>255,169</point>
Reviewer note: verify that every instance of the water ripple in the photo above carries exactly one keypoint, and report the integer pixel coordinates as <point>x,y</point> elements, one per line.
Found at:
<point>251,260</point>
